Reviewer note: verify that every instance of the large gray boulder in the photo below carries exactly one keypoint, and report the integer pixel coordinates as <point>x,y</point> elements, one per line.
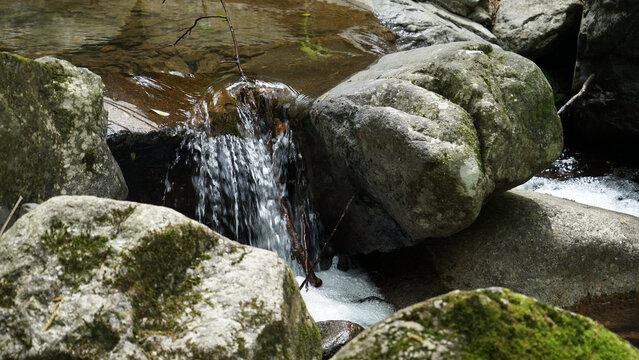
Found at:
<point>556,250</point>
<point>429,134</point>
<point>419,24</point>
<point>608,113</point>
<point>492,323</point>
<point>553,249</point>
<point>536,28</point>
<point>85,277</point>
<point>53,132</point>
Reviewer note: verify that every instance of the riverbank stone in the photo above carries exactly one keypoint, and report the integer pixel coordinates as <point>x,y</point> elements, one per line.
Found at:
<point>85,277</point>
<point>425,136</point>
<point>537,28</point>
<point>53,132</point>
<point>492,323</point>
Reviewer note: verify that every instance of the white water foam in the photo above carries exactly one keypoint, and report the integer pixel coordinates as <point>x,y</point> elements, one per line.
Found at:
<point>608,192</point>
<point>345,295</point>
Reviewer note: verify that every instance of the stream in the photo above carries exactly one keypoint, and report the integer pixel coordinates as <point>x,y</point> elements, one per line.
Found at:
<point>238,174</point>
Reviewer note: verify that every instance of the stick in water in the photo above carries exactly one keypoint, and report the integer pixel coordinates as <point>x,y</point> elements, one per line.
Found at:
<point>330,237</point>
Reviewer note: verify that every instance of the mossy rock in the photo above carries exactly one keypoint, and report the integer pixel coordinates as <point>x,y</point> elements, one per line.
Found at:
<point>492,323</point>
<point>53,129</point>
<point>430,134</point>
<point>85,277</point>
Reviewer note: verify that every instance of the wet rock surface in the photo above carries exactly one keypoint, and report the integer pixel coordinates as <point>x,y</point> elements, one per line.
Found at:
<point>427,135</point>
<point>485,323</point>
<point>83,277</point>
<point>53,129</point>
<point>336,333</point>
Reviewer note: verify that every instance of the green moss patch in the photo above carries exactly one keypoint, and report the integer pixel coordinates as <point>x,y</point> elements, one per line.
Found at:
<point>116,217</point>
<point>79,254</point>
<point>7,291</point>
<point>511,326</point>
<point>157,276</point>
<point>487,324</point>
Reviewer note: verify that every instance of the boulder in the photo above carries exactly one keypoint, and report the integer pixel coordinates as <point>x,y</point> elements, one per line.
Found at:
<point>556,250</point>
<point>608,113</point>
<point>492,323</point>
<point>53,130</point>
<point>427,135</point>
<point>419,24</point>
<point>336,333</point>
<point>553,249</point>
<point>85,277</point>
<point>536,28</point>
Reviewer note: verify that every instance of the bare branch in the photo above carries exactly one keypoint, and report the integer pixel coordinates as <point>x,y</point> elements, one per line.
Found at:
<point>330,237</point>
<point>581,93</point>
<point>188,30</point>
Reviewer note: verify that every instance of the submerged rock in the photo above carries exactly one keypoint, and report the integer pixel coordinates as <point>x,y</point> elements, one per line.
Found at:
<point>53,132</point>
<point>429,134</point>
<point>83,277</point>
<point>492,323</point>
<point>336,333</point>
<point>536,28</point>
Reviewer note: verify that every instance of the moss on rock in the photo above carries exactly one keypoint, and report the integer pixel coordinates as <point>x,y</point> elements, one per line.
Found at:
<point>490,323</point>
<point>79,254</point>
<point>157,276</point>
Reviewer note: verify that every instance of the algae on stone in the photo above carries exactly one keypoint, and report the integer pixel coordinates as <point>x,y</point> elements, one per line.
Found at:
<point>492,323</point>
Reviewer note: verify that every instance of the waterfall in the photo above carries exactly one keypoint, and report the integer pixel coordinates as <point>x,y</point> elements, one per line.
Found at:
<point>248,179</point>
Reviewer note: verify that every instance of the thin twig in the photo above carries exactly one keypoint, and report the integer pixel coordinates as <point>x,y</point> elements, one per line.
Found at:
<point>10,215</point>
<point>237,50</point>
<point>304,243</point>
<point>188,30</point>
<point>227,18</point>
<point>581,92</point>
<point>330,237</point>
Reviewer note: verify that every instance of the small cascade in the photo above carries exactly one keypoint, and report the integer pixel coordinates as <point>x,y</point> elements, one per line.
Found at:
<point>247,174</point>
